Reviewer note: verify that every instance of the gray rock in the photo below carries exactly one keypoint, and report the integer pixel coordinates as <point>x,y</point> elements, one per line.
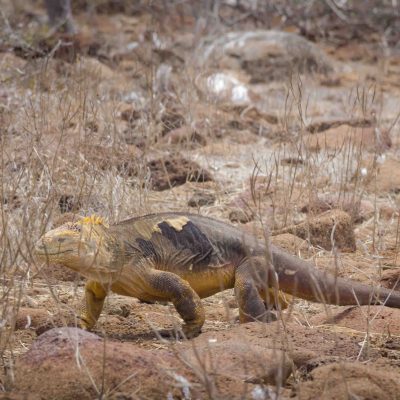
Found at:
<point>265,55</point>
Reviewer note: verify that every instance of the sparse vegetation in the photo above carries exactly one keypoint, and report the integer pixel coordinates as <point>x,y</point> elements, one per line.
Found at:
<point>120,119</point>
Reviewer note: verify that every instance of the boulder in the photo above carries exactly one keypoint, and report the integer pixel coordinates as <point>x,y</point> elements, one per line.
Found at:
<point>333,227</point>
<point>359,209</point>
<point>200,199</point>
<point>334,139</point>
<point>265,55</point>
<point>345,380</point>
<point>69,363</point>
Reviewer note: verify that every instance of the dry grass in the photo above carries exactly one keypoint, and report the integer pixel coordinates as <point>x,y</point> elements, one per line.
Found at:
<point>62,135</point>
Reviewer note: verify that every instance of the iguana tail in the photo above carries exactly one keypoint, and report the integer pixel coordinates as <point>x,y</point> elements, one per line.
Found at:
<point>302,279</point>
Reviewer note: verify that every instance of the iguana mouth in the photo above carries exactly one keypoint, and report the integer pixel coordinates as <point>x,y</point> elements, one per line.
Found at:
<point>46,253</point>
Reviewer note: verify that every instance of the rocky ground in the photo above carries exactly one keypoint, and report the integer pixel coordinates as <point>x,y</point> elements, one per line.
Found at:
<point>169,108</point>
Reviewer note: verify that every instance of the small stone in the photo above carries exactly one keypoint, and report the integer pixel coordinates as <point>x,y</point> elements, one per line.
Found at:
<point>11,202</point>
<point>200,199</point>
<point>239,215</point>
<point>171,120</point>
<point>129,113</point>
<point>92,126</point>
<point>387,212</point>
<point>185,134</point>
<point>171,171</point>
<point>292,161</point>
<point>391,279</point>
<point>291,243</point>
<point>40,320</point>
<point>68,203</point>
<point>313,363</point>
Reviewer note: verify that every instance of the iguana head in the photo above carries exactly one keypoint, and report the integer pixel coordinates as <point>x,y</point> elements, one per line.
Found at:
<point>81,246</point>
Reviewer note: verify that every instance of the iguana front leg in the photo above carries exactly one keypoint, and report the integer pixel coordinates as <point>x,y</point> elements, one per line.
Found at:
<point>92,304</point>
<point>171,287</point>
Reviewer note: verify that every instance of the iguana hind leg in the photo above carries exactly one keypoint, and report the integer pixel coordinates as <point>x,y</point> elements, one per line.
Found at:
<point>92,304</point>
<point>256,291</point>
<point>171,287</point>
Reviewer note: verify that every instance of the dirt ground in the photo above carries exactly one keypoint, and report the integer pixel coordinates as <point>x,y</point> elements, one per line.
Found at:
<point>158,108</point>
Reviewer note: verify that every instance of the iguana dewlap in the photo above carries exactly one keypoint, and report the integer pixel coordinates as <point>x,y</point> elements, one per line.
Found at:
<point>182,258</point>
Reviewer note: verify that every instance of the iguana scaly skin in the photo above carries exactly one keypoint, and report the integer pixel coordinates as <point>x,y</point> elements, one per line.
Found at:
<point>182,258</point>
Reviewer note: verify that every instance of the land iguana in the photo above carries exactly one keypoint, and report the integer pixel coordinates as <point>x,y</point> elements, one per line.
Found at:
<point>182,258</point>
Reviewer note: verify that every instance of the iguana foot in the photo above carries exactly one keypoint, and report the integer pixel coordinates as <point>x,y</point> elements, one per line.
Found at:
<point>184,333</point>
<point>84,324</point>
<point>191,331</point>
